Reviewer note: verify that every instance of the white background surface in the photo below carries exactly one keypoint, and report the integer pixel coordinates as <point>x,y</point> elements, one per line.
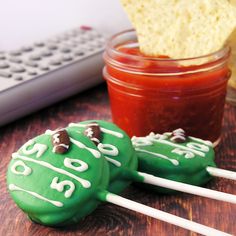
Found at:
<point>25,21</point>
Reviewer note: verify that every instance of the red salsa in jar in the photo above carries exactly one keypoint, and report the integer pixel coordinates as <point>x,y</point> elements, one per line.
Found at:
<point>162,94</point>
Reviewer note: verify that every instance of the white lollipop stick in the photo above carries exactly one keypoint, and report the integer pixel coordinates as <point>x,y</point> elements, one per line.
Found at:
<point>217,172</point>
<point>161,215</point>
<point>187,188</point>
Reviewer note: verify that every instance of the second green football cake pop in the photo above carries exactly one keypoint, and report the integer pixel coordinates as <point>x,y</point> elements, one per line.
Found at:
<point>117,148</point>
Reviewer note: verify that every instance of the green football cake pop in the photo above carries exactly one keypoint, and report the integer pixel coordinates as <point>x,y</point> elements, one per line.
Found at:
<point>54,178</point>
<point>183,162</point>
<point>117,148</point>
<point>175,156</point>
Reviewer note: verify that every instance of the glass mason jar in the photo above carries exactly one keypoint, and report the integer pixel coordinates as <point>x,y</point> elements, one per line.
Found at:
<point>162,94</point>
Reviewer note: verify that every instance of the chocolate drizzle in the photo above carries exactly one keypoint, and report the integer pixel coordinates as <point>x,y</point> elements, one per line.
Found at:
<point>93,132</point>
<point>61,141</point>
<point>178,136</point>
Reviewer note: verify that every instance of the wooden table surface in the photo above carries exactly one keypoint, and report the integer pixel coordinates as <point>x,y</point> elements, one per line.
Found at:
<point>108,219</point>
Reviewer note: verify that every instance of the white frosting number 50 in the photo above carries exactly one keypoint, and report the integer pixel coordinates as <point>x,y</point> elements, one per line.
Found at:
<point>60,186</point>
<point>187,154</point>
<point>36,148</point>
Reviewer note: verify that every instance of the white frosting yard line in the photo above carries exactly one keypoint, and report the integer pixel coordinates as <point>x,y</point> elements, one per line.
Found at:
<point>95,153</point>
<point>50,132</point>
<point>85,183</point>
<point>13,187</point>
<point>206,142</point>
<point>77,125</point>
<point>108,131</point>
<point>174,162</point>
<point>114,162</point>
<point>104,130</point>
<point>182,147</point>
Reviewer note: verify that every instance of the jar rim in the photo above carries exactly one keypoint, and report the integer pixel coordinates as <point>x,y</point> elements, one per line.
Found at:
<point>214,55</point>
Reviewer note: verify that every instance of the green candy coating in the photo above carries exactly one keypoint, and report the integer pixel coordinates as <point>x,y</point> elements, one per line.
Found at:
<point>31,185</point>
<point>120,176</point>
<point>183,162</point>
